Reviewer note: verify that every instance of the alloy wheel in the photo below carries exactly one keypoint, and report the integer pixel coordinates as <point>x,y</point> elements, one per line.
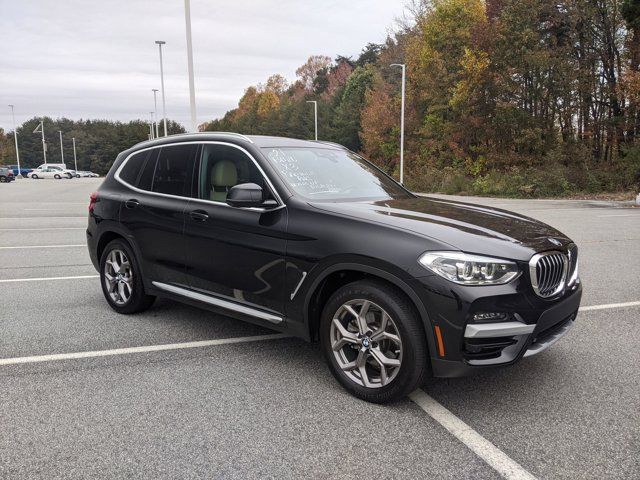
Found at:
<point>366,343</point>
<point>118,277</point>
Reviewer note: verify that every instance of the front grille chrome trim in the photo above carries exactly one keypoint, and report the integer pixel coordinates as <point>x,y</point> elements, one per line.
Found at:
<point>548,272</point>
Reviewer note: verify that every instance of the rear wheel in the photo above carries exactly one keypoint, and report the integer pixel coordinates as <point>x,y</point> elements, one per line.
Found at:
<point>3,179</point>
<point>57,177</point>
<point>121,280</point>
<point>373,341</point>
<point>34,176</point>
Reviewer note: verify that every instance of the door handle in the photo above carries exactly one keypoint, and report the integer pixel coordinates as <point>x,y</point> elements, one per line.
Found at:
<point>199,215</point>
<point>132,203</point>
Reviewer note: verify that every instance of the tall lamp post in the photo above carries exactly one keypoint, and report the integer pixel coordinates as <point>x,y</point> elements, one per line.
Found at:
<point>75,159</point>
<point>192,91</point>
<point>61,149</point>
<point>404,70</point>
<point>164,110</point>
<point>151,127</point>
<point>155,110</point>
<point>15,138</point>
<point>40,128</point>
<point>315,116</point>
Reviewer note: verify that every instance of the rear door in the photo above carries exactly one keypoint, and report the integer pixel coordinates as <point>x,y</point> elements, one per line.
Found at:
<point>153,208</point>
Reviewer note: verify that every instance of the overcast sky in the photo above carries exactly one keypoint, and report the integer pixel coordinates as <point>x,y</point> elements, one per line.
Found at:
<point>98,59</point>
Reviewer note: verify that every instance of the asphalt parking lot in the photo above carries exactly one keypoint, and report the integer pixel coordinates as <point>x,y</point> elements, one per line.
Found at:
<point>242,407</point>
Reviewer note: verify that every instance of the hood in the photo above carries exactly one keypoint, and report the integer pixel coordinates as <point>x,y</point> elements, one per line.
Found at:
<point>466,227</point>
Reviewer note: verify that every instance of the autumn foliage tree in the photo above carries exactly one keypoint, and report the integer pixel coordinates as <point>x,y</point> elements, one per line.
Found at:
<point>510,97</point>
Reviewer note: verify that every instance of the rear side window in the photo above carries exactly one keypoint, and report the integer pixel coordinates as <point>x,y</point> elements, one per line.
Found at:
<point>131,169</point>
<point>173,170</point>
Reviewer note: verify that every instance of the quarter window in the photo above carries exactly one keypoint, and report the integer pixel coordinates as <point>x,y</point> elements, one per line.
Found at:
<point>131,169</point>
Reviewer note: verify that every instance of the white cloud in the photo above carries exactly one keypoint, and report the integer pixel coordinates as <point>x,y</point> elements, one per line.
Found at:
<point>82,59</point>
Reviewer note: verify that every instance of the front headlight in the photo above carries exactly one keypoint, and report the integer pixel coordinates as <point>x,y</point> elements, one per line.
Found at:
<point>467,269</point>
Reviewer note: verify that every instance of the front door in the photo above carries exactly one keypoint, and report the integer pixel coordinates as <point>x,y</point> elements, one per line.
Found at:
<point>234,254</point>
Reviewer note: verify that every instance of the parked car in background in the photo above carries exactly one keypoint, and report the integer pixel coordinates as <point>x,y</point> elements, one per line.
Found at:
<point>48,172</point>
<point>20,171</point>
<point>6,175</point>
<point>84,173</point>
<point>60,166</point>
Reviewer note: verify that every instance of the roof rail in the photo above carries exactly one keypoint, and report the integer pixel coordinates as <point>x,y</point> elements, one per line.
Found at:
<point>329,143</point>
<point>233,133</point>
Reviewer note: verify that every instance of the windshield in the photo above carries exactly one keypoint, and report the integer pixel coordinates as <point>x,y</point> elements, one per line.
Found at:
<point>329,174</point>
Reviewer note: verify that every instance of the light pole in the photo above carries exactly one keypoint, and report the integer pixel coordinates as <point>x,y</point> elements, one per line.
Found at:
<point>75,159</point>
<point>151,126</point>
<point>40,128</point>
<point>404,69</point>
<point>315,115</point>
<point>15,137</point>
<point>164,111</point>
<point>155,109</point>
<point>192,91</point>
<point>61,149</point>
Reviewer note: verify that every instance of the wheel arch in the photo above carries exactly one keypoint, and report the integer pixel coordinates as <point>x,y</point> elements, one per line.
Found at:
<point>339,274</point>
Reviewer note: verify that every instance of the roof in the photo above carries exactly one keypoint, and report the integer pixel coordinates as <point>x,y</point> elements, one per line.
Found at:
<point>257,140</point>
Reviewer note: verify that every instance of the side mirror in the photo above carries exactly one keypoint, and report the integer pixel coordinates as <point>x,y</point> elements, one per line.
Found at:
<point>246,195</point>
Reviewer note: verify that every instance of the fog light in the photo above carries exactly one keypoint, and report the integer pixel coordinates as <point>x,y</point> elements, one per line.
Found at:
<point>490,317</point>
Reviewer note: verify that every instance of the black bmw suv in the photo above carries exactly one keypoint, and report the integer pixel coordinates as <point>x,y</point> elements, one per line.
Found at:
<point>311,239</point>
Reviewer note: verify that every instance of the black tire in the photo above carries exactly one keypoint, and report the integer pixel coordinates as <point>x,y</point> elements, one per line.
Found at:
<point>57,177</point>
<point>77,175</point>
<point>34,176</point>
<point>415,359</point>
<point>139,300</point>
<point>3,179</point>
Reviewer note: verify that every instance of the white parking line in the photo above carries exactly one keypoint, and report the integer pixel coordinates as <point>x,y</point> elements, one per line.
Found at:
<point>609,305</point>
<point>42,246</point>
<point>483,448</point>
<point>45,279</point>
<point>37,218</point>
<point>39,229</point>
<point>148,348</point>
<point>621,215</point>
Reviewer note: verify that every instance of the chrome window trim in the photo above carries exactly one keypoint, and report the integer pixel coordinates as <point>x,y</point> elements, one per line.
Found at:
<point>533,262</point>
<point>281,204</point>
<point>219,302</point>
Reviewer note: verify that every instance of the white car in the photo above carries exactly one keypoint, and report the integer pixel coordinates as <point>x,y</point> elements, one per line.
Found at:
<point>60,166</point>
<point>48,172</point>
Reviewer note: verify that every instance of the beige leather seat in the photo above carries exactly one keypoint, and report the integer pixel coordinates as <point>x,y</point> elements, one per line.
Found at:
<point>224,175</point>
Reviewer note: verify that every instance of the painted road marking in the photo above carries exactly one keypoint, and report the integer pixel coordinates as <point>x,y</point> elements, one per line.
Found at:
<point>42,246</point>
<point>145,349</point>
<point>483,448</point>
<point>39,229</point>
<point>37,218</point>
<point>45,279</point>
<point>609,305</point>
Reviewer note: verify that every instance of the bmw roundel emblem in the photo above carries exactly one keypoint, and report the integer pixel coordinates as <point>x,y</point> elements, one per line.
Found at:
<point>557,243</point>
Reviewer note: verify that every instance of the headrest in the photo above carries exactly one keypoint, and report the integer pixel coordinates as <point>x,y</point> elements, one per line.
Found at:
<point>224,174</point>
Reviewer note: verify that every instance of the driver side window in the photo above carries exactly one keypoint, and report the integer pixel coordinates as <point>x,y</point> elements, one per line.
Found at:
<point>223,167</point>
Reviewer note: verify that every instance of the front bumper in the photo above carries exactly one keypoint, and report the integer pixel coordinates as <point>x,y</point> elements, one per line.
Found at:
<point>531,325</point>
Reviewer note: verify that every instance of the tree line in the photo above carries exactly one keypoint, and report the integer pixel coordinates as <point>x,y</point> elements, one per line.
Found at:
<point>98,142</point>
<point>510,97</point>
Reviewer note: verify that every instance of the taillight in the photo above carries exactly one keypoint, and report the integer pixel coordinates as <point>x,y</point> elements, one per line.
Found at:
<point>93,198</point>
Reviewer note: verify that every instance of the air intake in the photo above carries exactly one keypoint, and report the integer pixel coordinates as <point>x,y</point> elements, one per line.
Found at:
<point>548,273</point>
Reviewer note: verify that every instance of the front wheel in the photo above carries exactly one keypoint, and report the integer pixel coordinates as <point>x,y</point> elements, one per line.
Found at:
<point>57,177</point>
<point>121,279</point>
<point>3,179</point>
<point>373,341</point>
<point>34,176</point>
